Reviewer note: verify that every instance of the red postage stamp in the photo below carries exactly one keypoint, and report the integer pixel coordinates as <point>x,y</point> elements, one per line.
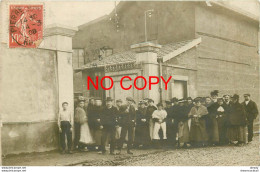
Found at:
<point>25,25</point>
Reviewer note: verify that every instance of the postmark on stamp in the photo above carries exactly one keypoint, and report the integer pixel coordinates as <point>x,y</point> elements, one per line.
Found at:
<point>25,26</point>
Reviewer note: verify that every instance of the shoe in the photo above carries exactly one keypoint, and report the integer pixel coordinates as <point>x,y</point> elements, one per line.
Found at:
<point>63,152</point>
<point>129,152</point>
<point>70,152</point>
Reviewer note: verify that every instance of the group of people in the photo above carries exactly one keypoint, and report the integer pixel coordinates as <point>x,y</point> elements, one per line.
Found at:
<point>180,123</point>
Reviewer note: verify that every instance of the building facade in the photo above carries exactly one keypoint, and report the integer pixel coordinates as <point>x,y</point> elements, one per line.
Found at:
<point>228,50</point>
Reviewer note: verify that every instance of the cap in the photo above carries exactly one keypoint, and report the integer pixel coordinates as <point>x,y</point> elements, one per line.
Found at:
<point>168,102</point>
<point>119,100</point>
<point>130,99</point>
<point>109,99</point>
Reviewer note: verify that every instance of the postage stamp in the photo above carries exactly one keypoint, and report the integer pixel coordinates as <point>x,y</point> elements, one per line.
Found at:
<point>25,26</point>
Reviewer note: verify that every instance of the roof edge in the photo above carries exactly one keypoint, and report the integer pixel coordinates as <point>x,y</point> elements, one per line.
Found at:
<point>182,49</point>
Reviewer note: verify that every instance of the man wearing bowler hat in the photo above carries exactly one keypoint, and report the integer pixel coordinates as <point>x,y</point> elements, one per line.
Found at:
<point>252,112</point>
<point>108,126</point>
<point>128,117</point>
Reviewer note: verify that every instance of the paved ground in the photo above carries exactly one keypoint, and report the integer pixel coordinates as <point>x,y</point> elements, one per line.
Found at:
<point>209,156</point>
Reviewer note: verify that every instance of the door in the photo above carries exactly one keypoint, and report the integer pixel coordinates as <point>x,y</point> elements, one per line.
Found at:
<point>179,89</point>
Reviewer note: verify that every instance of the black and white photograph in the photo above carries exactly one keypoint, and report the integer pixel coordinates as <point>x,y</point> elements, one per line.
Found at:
<point>129,83</point>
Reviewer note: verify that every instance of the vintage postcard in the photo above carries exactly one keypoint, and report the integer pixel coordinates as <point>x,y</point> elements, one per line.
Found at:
<point>129,83</point>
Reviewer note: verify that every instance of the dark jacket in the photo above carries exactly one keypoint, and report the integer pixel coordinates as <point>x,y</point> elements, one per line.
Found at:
<point>238,115</point>
<point>214,110</point>
<point>149,111</point>
<point>251,110</point>
<point>108,117</point>
<point>91,115</point>
<point>128,115</point>
<point>141,114</point>
<point>182,113</point>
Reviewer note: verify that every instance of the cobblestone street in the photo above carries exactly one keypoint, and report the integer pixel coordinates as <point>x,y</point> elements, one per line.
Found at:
<point>210,156</point>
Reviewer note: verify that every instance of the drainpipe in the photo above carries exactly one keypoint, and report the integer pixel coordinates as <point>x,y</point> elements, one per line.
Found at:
<point>160,61</point>
<point>0,140</point>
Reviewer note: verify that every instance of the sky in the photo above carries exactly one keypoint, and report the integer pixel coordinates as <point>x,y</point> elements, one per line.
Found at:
<point>77,12</point>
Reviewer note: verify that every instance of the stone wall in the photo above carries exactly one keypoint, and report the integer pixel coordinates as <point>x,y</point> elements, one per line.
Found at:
<point>227,57</point>
<point>28,99</point>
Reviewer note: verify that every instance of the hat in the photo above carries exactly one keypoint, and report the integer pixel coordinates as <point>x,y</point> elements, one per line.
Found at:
<point>150,100</point>
<point>109,99</point>
<point>141,102</point>
<point>119,100</point>
<point>220,98</point>
<point>214,93</point>
<point>247,94</point>
<point>181,100</point>
<point>81,98</point>
<point>197,99</point>
<point>123,107</point>
<point>65,103</point>
<point>168,102</point>
<point>226,95</point>
<point>130,99</point>
<point>189,98</point>
<point>235,96</point>
<point>159,104</point>
<point>174,99</point>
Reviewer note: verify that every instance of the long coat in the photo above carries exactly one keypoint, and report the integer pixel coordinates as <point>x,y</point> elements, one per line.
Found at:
<point>127,115</point>
<point>183,127</point>
<point>198,127</point>
<point>142,135</point>
<point>219,122</point>
<point>108,118</point>
<point>95,123</point>
<point>238,116</point>
<point>237,121</point>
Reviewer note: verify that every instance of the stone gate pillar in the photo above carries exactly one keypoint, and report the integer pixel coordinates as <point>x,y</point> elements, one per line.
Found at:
<point>59,38</point>
<point>147,55</point>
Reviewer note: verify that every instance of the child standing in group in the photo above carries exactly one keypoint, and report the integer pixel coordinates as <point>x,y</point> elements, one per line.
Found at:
<point>65,121</point>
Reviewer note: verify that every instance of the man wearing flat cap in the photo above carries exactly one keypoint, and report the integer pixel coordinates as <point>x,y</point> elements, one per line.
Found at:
<point>252,112</point>
<point>128,117</point>
<point>108,126</point>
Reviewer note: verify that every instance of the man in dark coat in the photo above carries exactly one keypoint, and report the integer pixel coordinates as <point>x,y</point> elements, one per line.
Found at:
<point>237,120</point>
<point>128,118</point>
<point>252,112</point>
<point>170,127</point>
<point>108,124</point>
<point>142,135</point>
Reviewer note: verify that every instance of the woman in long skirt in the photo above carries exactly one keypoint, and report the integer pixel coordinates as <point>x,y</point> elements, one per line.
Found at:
<point>219,119</point>
<point>85,135</point>
<point>198,134</point>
